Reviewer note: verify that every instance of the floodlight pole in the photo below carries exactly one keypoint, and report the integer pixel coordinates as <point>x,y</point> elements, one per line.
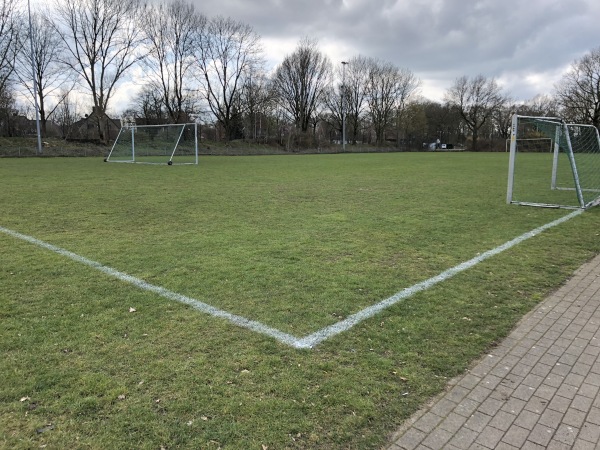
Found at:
<point>35,93</point>
<point>344,105</point>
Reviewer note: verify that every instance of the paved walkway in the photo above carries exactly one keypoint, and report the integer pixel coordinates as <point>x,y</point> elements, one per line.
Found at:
<point>539,389</point>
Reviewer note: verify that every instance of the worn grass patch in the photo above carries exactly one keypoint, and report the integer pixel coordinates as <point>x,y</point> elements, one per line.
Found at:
<point>295,242</point>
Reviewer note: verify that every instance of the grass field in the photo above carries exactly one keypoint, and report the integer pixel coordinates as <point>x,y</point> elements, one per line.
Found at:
<point>296,243</point>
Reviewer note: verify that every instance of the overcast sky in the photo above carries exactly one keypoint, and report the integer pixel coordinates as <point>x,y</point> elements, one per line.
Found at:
<point>525,44</point>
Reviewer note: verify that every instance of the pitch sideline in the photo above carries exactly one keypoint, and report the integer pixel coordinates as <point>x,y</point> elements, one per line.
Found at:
<point>312,339</point>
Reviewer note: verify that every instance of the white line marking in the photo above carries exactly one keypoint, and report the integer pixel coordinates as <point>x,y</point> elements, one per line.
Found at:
<point>196,304</point>
<point>317,337</point>
<point>350,321</point>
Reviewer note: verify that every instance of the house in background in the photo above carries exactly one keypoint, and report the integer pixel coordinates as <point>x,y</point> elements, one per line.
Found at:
<point>96,126</point>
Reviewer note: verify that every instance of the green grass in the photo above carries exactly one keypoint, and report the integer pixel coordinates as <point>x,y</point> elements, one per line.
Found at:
<point>295,242</point>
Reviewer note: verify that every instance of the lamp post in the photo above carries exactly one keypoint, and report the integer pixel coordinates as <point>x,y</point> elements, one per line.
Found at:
<point>344,105</point>
<point>34,74</point>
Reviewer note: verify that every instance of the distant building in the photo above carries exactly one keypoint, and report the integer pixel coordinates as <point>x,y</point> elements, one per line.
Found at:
<point>96,126</point>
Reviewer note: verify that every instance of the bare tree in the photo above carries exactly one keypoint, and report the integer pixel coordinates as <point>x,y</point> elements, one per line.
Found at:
<point>349,96</point>
<point>10,25</point>
<point>259,100</point>
<point>388,89</point>
<point>356,81</point>
<point>301,82</point>
<point>476,99</point>
<point>578,92</point>
<point>227,53</point>
<point>67,113</point>
<point>148,105</point>
<point>50,75</point>
<point>7,112</point>
<point>172,31</point>
<point>101,41</point>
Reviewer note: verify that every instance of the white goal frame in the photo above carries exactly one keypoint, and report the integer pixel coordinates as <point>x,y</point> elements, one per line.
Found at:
<point>562,135</point>
<point>132,128</point>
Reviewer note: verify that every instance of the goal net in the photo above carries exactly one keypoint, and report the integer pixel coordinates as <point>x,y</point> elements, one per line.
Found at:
<point>553,163</point>
<point>156,144</point>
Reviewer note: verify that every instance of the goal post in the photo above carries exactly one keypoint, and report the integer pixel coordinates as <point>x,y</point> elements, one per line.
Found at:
<point>564,172</point>
<point>171,144</point>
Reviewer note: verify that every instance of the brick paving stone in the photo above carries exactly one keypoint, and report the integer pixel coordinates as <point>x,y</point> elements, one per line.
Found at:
<point>502,420</point>
<point>532,446</point>
<point>554,380</point>
<point>549,358</point>
<point>522,369</point>
<point>556,445</point>
<point>457,393</point>
<point>537,405</point>
<point>593,379</point>
<point>590,432</point>
<point>515,436</point>
<point>491,381</point>
<point>411,439</point>
<point>594,416</point>
<point>567,391</point>
<point>567,359</point>
<point>574,418</point>
<point>443,407</point>
<point>541,434</point>
<point>428,422</point>
<point>478,446</point>
<point>489,437</point>
<point>514,406</point>
<point>466,407</point>
<point>533,380</point>
<point>580,444</point>
<point>559,404</point>
<point>538,389</point>
<point>477,421</point>
<point>453,422</point>
<point>541,369</point>
<point>464,438</point>
<point>566,434</point>
<point>479,394</point>
<point>490,406</point>
<point>588,359</point>
<point>574,379</point>
<point>561,369</point>
<point>524,392</point>
<point>581,369</point>
<point>582,403</point>
<point>469,381</point>
<point>545,392</point>
<point>550,418</point>
<point>527,419</point>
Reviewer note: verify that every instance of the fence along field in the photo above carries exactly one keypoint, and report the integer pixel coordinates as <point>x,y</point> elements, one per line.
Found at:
<point>295,243</point>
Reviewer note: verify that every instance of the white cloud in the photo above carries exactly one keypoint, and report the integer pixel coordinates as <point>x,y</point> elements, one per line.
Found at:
<point>525,45</point>
<point>439,40</point>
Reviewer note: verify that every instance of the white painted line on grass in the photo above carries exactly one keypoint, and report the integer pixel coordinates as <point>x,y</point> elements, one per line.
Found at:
<point>196,304</point>
<point>317,337</point>
<point>354,319</point>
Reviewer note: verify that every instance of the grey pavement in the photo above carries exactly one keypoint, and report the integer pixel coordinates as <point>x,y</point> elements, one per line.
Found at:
<point>539,389</point>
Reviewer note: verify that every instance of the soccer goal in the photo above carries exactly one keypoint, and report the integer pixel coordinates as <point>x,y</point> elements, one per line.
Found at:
<point>553,163</point>
<point>170,144</point>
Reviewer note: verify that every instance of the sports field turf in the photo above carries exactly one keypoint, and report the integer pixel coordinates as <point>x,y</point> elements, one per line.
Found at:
<point>295,243</point>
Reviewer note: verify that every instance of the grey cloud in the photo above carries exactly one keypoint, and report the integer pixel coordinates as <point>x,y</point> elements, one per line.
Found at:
<point>442,39</point>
